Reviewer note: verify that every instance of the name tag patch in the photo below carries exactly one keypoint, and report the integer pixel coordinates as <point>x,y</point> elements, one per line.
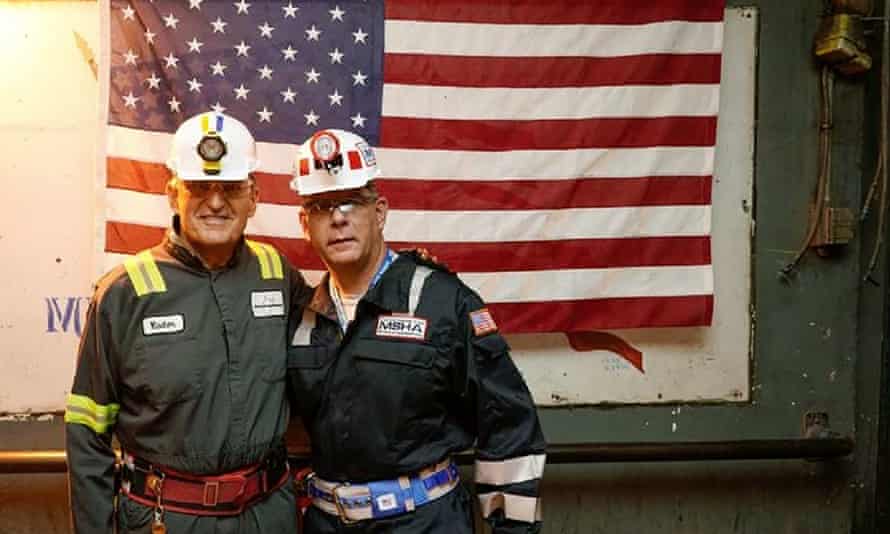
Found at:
<point>267,303</point>
<point>164,324</point>
<point>401,327</point>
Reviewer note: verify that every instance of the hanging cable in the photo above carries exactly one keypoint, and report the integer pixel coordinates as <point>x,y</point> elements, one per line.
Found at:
<point>881,168</point>
<point>823,183</point>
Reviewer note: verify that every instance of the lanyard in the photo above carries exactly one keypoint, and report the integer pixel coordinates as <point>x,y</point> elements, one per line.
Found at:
<point>335,293</point>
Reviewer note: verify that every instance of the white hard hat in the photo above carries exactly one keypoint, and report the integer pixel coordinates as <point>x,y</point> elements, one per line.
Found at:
<point>333,160</point>
<point>212,146</point>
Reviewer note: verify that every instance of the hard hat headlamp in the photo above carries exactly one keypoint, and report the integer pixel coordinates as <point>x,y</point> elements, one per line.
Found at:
<point>211,148</point>
<point>325,146</point>
<point>333,160</point>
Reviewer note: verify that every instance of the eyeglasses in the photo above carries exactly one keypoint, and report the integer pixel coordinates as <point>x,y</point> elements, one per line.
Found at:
<point>343,205</point>
<point>202,189</point>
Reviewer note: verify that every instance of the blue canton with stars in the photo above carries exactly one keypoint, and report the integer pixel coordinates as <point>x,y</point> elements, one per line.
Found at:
<point>284,68</point>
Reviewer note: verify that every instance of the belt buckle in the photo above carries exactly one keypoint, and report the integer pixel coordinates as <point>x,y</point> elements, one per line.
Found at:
<point>211,494</point>
<point>302,481</point>
<point>341,510</point>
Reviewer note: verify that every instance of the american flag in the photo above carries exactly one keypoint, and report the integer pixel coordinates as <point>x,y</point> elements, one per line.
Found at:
<point>558,154</point>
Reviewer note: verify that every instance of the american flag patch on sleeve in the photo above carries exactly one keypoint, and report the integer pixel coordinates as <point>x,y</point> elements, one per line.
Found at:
<point>483,322</point>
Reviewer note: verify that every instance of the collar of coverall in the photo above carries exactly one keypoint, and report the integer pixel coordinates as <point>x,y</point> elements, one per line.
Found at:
<point>390,293</point>
<point>179,248</point>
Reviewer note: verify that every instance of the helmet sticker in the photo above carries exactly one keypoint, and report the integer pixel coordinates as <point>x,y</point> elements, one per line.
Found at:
<point>367,154</point>
<point>355,161</point>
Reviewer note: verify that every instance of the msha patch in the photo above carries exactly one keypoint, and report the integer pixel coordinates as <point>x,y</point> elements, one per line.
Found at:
<point>483,322</point>
<point>402,327</point>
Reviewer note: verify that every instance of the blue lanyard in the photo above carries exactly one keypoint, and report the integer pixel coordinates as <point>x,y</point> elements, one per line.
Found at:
<point>384,265</point>
<point>335,294</point>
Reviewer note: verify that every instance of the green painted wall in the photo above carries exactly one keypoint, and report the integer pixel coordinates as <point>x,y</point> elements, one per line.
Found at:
<point>817,340</point>
<point>817,347</point>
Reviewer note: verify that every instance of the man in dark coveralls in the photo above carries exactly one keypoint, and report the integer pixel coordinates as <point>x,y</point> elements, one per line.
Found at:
<point>183,360</point>
<point>397,365</point>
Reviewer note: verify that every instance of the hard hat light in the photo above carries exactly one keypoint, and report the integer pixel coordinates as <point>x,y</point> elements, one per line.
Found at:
<point>325,146</point>
<point>211,148</point>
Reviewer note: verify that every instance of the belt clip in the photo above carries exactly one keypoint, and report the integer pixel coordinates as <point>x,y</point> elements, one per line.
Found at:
<point>341,510</point>
<point>211,493</point>
<point>303,481</point>
<point>155,482</point>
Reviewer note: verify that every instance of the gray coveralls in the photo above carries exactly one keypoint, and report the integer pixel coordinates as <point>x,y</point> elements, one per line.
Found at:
<point>186,367</point>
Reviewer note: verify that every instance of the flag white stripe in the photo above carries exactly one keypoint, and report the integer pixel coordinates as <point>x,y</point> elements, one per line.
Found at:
<point>486,103</point>
<point>275,220</point>
<point>570,284</point>
<point>463,165</point>
<point>552,40</point>
<point>546,164</point>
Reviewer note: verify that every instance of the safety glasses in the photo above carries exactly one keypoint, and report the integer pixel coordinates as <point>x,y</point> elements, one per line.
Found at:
<point>202,189</point>
<point>343,205</point>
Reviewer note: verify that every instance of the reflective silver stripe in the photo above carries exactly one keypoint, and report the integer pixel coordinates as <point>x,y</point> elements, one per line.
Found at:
<point>518,507</point>
<point>349,491</point>
<point>511,471</point>
<point>304,332</point>
<point>421,273</point>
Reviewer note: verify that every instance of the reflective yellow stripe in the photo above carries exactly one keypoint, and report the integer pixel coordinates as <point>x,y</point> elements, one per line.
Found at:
<point>132,265</point>
<point>83,410</point>
<point>270,260</point>
<point>154,274</point>
<point>141,266</point>
<point>277,269</point>
<point>260,253</point>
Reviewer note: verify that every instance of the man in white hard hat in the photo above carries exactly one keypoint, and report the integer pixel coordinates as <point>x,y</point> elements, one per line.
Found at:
<point>183,360</point>
<point>398,365</point>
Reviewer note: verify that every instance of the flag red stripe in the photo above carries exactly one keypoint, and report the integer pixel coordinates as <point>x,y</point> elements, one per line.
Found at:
<point>540,255</point>
<point>457,195</point>
<point>452,195</point>
<point>562,134</point>
<point>126,238</point>
<point>554,11</point>
<point>597,314</point>
<point>134,175</point>
<point>549,72</point>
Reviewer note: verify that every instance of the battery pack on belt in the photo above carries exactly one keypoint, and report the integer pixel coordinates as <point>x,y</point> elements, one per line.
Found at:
<point>383,498</point>
<point>218,495</point>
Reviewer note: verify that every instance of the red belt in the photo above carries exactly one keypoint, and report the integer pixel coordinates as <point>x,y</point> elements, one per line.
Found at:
<point>219,495</point>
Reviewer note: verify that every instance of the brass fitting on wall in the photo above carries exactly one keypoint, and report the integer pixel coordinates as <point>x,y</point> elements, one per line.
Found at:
<point>840,42</point>
<point>856,7</point>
